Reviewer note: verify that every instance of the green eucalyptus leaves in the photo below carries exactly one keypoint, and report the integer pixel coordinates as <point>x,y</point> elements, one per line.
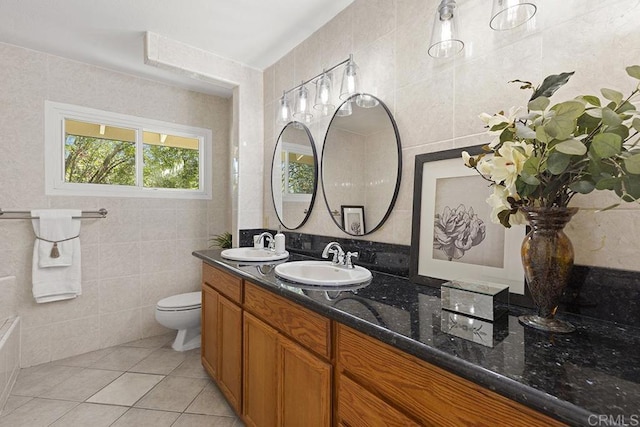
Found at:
<point>545,154</point>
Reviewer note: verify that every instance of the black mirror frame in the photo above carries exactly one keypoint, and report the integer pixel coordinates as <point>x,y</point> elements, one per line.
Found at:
<point>315,174</point>
<point>399,175</point>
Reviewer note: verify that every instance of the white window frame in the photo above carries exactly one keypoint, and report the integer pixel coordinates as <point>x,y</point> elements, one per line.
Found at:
<point>55,114</point>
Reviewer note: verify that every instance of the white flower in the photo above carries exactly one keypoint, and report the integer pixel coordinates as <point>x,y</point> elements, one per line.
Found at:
<point>466,158</point>
<point>515,113</point>
<point>508,166</point>
<point>498,202</point>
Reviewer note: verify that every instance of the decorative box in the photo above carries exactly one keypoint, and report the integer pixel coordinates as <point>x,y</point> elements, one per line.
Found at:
<point>469,328</point>
<point>486,301</point>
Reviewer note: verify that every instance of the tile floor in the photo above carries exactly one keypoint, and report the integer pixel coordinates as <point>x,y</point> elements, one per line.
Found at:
<point>142,383</point>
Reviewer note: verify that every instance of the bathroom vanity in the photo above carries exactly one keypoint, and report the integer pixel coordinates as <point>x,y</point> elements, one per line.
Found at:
<point>381,355</point>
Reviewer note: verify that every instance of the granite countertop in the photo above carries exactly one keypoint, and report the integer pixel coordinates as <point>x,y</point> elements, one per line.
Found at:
<point>578,378</point>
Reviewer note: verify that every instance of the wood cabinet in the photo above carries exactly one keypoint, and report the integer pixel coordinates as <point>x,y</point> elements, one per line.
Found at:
<point>222,331</point>
<point>281,364</point>
<point>284,383</point>
<point>425,392</point>
<point>260,373</point>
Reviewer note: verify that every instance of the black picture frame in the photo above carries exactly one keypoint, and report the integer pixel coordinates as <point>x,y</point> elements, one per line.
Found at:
<point>522,296</point>
<point>358,212</point>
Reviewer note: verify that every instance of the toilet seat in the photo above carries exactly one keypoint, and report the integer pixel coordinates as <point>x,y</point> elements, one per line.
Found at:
<point>181,302</point>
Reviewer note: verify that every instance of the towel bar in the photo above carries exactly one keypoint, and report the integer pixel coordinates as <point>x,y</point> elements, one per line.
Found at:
<point>100,213</point>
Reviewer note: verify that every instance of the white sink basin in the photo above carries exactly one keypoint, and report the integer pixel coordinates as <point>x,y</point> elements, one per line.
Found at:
<point>252,254</point>
<point>322,273</point>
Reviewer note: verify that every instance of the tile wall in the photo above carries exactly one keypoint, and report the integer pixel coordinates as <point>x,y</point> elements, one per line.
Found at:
<point>436,102</point>
<point>142,251</point>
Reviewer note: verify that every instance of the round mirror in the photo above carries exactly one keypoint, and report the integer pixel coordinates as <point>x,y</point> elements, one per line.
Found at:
<point>361,165</point>
<point>294,175</point>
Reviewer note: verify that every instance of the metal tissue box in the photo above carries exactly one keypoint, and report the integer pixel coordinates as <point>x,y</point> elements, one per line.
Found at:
<point>481,300</point>
<point>479,331</point>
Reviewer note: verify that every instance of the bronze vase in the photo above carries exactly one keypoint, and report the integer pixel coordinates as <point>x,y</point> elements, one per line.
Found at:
<point>547,257</point>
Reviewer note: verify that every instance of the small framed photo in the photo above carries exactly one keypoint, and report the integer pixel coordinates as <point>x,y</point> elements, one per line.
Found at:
<point>353,219</point>
<point>453,237</point>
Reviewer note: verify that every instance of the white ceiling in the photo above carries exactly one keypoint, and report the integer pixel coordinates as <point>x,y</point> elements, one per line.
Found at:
<point>109,33</point>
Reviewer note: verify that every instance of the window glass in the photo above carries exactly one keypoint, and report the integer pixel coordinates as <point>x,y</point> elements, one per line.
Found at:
<point>99,154</point>
<point>93,152</point>
<point>171,161</point>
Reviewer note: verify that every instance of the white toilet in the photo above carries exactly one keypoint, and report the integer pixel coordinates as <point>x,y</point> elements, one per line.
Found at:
<point>182,312</point>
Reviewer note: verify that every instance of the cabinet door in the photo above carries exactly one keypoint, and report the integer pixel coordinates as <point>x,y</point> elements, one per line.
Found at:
<point>260,373</point>
<point>230,351</point>
<point>304,388</point>
<point>209,352</point>
<point>359,408</point>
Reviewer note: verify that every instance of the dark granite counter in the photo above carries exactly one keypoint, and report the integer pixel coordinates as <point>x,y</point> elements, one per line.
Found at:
<point>588,378</point>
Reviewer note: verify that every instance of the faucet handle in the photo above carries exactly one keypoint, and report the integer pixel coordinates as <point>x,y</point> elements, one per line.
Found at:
<point>347,260</point>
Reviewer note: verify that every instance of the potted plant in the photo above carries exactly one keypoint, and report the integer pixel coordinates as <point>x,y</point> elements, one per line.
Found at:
<point>543,155</point>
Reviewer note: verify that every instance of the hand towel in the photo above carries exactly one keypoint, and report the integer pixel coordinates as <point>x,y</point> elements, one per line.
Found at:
<point>58,278</point>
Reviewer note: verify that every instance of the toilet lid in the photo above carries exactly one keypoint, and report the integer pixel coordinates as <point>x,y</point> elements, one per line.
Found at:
<point>181,301</point>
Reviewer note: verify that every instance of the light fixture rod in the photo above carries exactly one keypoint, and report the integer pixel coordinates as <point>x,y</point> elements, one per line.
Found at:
<point>326,70</point>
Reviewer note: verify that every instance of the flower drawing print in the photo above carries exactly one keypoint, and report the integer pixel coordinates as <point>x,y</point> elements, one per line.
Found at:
<point>456,231</point>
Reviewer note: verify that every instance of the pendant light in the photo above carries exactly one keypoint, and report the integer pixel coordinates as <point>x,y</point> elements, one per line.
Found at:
<point>283,113</point>
<point>301,105</point>
<point>444,38</point>
<point>323,94</point>
<point>349,84</point>
<point>508,14</point>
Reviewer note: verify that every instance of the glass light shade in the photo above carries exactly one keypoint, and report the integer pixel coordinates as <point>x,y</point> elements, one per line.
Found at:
<point>444,38</point>
<point>366,101</point>
<point>345,109</point>
<point>301,108</point>
<point>323,95</point>
<point>283,113</point>
<point>508,14</point>
<point>349,84</point>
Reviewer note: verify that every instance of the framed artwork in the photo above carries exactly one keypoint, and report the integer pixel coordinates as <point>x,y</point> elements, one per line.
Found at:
<point>353,219</point>
<point>453,237</point>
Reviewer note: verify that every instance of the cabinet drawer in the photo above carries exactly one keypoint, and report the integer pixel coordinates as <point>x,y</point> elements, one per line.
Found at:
<point>225,283</point>
<point>359,408</point>
<point>431,394</point>
<point>306,327</point>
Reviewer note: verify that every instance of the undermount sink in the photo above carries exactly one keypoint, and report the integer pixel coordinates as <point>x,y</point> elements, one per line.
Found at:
<point>249,254</point>
<point>322,273</point>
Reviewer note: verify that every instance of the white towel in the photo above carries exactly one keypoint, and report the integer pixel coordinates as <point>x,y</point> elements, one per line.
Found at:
<point>56,278</point>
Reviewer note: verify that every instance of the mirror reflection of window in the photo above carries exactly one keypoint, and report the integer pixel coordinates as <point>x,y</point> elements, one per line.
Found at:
<point>294,173</point>
<point>298,171</point>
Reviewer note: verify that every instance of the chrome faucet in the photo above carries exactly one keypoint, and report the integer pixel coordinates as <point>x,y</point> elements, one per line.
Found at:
<point>339,257</point>
<point>258,240</point>
<point>335,249</point>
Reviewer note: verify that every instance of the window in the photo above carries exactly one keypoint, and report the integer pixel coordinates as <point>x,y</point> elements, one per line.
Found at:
<point>93,152</point>
<point>298,172</point>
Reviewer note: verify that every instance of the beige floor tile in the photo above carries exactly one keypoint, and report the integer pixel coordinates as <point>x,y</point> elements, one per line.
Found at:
<point>173,394</point>
<point>40,379</point>
<point>191,367</point>
<point>13,403</point>
<point>136,417</point>
<point>90,414</point>
<point>122,358</point>
<point>126,390</point>
<point>37,413</point>
<point>162,361</point>
<point>84,360</point>
<point>192,420</point>
<point>82,385</point>
<point>210,401</point>
<point>239,423</point>
<point>152,342</point>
